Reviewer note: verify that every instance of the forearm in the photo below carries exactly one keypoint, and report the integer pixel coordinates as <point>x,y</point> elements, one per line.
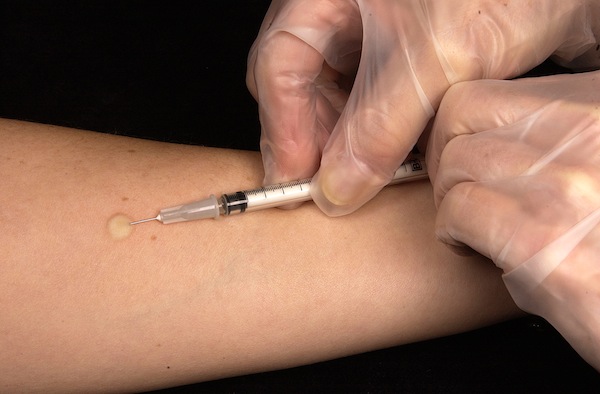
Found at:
<point>173,304</point>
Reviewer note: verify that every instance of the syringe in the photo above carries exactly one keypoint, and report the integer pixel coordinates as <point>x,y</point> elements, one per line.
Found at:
<point>267,197</point>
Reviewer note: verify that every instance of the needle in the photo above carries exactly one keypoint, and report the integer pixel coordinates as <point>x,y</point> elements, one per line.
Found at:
<point>143,221</point>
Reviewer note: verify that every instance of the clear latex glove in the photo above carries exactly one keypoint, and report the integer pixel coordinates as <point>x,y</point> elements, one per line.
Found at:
<point>357,81</point>
<point>516,173</point>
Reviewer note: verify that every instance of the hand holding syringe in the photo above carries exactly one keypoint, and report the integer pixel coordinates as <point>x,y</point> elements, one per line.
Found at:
<point>266,197</point>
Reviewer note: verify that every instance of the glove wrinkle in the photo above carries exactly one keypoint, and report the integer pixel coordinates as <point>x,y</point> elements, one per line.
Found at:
<point>528,275</point>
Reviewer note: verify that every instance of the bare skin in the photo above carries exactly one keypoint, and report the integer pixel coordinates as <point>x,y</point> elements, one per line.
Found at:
<point>165,305</point>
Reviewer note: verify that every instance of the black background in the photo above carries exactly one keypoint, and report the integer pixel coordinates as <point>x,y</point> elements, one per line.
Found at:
<point>175,71</point>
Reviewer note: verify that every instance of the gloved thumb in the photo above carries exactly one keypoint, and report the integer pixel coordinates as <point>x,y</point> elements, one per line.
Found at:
<point>362,156</point>
<point>387,110</point>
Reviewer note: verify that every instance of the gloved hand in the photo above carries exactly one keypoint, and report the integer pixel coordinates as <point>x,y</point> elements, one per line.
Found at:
<point>358,80</point>
<point>516,174</point>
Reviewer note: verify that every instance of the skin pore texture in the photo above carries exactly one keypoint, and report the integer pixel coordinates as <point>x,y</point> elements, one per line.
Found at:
<point>90,305</point>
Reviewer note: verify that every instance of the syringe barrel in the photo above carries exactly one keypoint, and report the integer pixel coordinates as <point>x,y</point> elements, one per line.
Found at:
<point>278,195</point>
<point>412,169</point>
<point>269,197</point>
<point>266,197</point>
<point>204,209</point>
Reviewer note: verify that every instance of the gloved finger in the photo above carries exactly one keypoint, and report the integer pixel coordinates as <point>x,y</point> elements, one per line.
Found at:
<point>290,75</point>
<point>386,112</point>
<point>511,220</point>
<point>294,117</point>
<point>481,185</point>
<point>488,225</point>
<point>553,135</point>
<point>546,164</point>
<point>577,58</point>
<point>471,107</point>
<point>466,158</point>
<point>253,53</point>
<point>332,28</point>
